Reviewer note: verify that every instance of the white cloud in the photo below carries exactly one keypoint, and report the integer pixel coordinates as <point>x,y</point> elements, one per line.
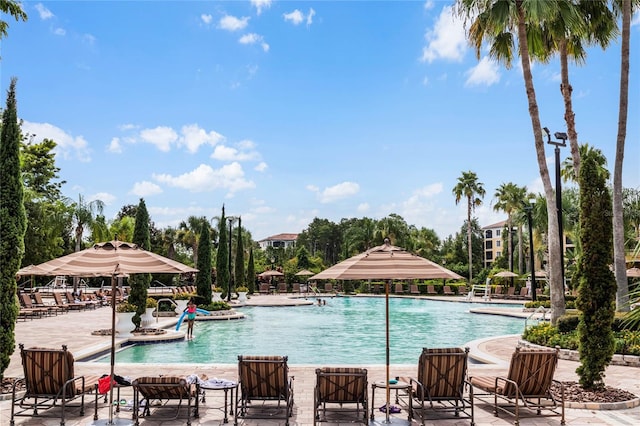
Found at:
<point>428,5</point>
<point>261,167</point>
<point>227,153</point>
<point>43,12</point>
<point>635,20</point>
<point>145,189</point>
<point>68,146</point>
<point>260,5</point>
<point>115,146</point>
<point>205,178</point>
<point>310,16</point>
<point>105,197</point>
<point>338,192</point>
<point>88,39</point>
<point>206,18</point>
<point>429,190</point>
<point>59,32</point>
<point>485,73</point>
<point>231,23</point>
<point>296,17</point>
<point>312,188</point>
<point>162,137</point>
<point>253,38</point>
<point>447,39</point>
<point>193,137</point>
<point>363,207</point>
<point>128,126</point>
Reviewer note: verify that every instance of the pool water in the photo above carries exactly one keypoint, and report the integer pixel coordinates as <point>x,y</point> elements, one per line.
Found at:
<point>347,330</point>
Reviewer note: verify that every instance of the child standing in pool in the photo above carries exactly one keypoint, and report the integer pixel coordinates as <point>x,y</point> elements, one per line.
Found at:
<point>191,317</point>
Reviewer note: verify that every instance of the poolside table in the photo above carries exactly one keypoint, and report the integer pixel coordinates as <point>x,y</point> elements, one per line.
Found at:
<point>398,386</point>
<point>226,386</point>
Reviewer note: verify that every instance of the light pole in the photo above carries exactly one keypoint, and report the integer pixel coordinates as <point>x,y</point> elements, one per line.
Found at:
<point>528,208</point>
<point>563,137</point>
<point>230,219</point>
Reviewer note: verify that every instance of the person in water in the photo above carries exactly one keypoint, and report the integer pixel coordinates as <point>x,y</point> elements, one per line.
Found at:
<point>191,317</point>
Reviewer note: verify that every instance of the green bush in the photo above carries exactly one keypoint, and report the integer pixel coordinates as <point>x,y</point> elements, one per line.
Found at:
<point>568,323</point>
<point>217,306</point>
<point>627,342</point>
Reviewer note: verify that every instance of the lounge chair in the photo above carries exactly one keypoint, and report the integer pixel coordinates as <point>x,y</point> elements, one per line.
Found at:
<point>431,290</point>
<point>264,288</point>
<point>524,293</point>
<point>87,303</point>
<point>27,306</point>
<point>337,387</point>
<point>462,290</point>
<point>511,293</point>
<point>527,385</point>
<point>296,288</point>
<point>414,289</point>
<point>440,384</point>
<point>328,288</point>
<point>497,292</point>
<point>266,379</point>
<point>282,287</point>
<point>57,297</point>
<point>169,388</point>
<point>37,297</point>
<point>50,382</point>
<point>399,288</point>
<point>446,290</point>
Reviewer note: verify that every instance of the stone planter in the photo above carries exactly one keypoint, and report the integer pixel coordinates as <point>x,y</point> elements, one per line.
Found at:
<point>124,325</point>
<point>242,296</point>
<point>147,318</point>
<point>217,296</point>
<point>182,305</point>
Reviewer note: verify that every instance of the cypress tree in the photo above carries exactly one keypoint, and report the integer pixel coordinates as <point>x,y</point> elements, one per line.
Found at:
<point>13,224</point>
<point>222,258</point>
<point>597,285</point>
<point>251,273</point>
<point>140,282</point>
<point>203,279</point>
<point>240,277</point>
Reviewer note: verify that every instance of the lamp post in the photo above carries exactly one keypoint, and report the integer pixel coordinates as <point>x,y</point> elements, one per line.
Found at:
<point>563,137</point>
<point>230,219</point>
<point>528,208</point>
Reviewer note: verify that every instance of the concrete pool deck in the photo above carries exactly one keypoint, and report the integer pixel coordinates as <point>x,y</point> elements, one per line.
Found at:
<point>74,329</point>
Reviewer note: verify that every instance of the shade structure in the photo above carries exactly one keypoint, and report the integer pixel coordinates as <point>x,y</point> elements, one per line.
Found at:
<point>271,273</point>
<point>633,273</point>
<point>304,272</point>
<point>506,274</point>
<point>110,259</point>
<point>386,262</point>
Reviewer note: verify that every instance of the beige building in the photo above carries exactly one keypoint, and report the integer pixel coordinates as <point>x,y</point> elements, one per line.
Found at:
<point>279,241</point>
<point>492,243</point>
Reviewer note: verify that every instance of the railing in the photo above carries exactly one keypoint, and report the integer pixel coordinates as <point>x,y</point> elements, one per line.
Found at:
<point>164,299</point>
<point>538,310</point>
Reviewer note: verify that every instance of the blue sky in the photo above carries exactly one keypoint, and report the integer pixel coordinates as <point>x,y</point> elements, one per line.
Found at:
<point>285,111</point>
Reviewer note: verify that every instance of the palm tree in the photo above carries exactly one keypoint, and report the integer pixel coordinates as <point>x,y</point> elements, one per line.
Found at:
<point>510,198</point>
<point>189,234</point>
<point>473,191</point>
<point>84,214</point>
<point>496,20</point>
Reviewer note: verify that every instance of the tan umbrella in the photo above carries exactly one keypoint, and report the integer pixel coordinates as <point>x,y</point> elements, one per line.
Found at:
<point>304,272</point>
<point>633,273</point>
<point>506,274</point>
<point>386,262</point>
<point>271,273</point>
<point>110,259</point>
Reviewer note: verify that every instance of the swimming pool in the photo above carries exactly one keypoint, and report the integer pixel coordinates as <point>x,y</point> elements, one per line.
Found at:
<point>347,330</point>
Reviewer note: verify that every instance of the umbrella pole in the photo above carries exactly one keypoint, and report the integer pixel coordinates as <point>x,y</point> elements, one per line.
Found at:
<point>387,408</point>
<point>113,346</point>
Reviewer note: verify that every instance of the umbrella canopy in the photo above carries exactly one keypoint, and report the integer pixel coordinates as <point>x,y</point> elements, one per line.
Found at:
<point>633,273</point>
<point>110,259</point>
<point>386,262</point>
<point>506,274</point>
<point>304,272</point>
<point>271,273</point>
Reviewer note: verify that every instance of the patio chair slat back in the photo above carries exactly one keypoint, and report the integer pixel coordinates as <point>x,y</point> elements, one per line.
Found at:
<point>47,370</point>
<point>264,377</point>
<point>341,385</point>
<point>442,372</point>
<point>533,371</point>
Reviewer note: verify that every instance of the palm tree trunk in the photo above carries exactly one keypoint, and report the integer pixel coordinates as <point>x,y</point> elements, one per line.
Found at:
<point>510,241</point>
<point>521,268</point>
<point>555,279</point>
<point>470,249</point>
<point>569,115</point>
<point>622,294</point>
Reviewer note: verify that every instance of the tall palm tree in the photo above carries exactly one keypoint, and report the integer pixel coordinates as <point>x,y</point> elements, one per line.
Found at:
<point>473,191</point>
<point>189,234</point>
<point>495,20</point>
<point>84,214</point>
<point>622,295</point>
<point>510,198</point>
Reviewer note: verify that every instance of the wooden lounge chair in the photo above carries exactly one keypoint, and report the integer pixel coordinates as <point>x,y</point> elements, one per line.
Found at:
<point>264,288</point>
<point>37,297</point>
<point>337,387</point>
<point>431,290</point>
<point>50,382</point>
<point>27,306</point>
<point>399,288</point>
<point>497,292</point>
<point>414,289</point>
<point>524,293</point>
<point>511,293</point>
<point>446,290</point>
<point>526,386</point>
<point>266,379</point>
<point>169,388</point>
<point>296,288</point>
<point>440,384</point>
<point>59,302</point>
<point>282,287</point>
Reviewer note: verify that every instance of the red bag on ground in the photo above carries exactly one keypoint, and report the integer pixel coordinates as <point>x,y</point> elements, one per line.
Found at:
<point>104,384</point>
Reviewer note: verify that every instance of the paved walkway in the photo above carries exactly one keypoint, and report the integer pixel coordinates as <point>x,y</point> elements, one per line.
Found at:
<point>74,329</point>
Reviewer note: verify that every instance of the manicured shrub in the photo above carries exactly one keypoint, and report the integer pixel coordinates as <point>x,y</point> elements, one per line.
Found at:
<point>568,323</point>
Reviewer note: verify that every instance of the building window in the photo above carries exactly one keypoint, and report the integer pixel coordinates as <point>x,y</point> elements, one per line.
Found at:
<point>489,255</point>
<point>488,234</point>
<point>497,233</point>
<point>489,245</point>
<point>498,243</point>
<point>498,253</point>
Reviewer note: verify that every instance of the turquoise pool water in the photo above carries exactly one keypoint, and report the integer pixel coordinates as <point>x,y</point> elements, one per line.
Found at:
<point>347,330</point>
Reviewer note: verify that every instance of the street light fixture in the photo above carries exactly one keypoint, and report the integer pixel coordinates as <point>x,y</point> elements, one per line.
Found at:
<point>563,137</point>
<point>528,208</point>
